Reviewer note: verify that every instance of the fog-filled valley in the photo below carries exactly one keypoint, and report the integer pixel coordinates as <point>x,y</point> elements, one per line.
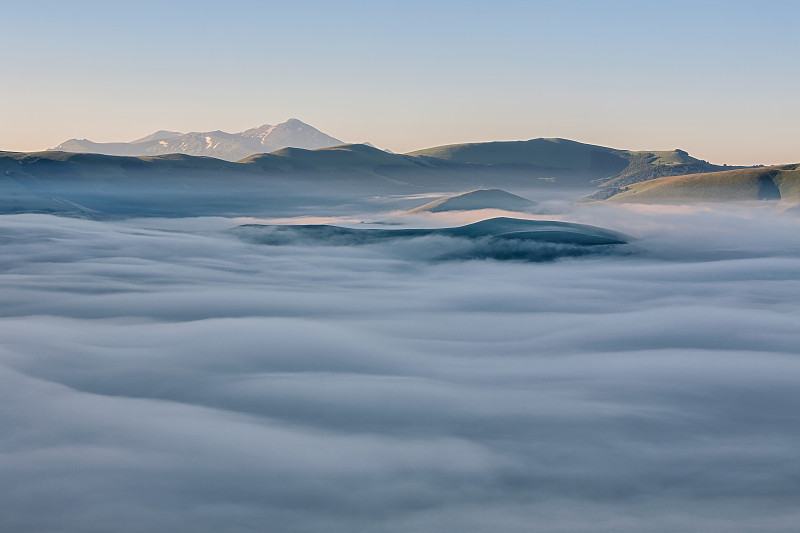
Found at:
<point>195,374</point>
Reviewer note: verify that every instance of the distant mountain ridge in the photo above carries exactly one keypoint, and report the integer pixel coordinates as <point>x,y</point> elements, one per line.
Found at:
<point>293,146</point>
<point>219,144</point>
<point>83,184</point>
<point>521,165</point>
<point>608,167</point>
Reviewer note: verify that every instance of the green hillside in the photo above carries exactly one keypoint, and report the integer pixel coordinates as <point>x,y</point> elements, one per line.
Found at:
<point>781,182</point>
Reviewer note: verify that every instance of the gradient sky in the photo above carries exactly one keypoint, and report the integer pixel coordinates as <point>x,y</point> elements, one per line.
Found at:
<point>717,78</point>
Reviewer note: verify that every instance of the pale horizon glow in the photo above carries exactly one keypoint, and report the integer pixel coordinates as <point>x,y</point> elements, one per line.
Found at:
<point>408,75</point>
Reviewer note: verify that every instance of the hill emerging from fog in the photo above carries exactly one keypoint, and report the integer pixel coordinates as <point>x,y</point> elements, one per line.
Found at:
<point>499,238</point>
<point>218,144</point>
<point>478,199</point>
<point>780,182</point>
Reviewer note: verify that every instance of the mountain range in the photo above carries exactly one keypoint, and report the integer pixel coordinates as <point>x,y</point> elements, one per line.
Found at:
<point>533,164</point>
<point>559,160</point>
<point>217,144</point>
<point>166,184</point>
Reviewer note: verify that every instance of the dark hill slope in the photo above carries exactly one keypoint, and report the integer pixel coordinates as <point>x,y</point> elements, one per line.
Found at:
<point>565,163</point>
<point>556,154</point>
<point>573,161</point>
<point>359,163</point>
<point>96,168</point>
<point>347,157</point>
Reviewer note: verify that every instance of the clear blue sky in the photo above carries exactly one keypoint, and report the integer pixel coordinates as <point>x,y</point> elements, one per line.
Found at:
<point>719,79</point>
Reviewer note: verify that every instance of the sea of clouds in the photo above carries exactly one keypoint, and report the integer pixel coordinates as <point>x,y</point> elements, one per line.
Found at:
<point>165,375</point>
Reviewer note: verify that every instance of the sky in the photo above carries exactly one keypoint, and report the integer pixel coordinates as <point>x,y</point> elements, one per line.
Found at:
<point>716,78</point>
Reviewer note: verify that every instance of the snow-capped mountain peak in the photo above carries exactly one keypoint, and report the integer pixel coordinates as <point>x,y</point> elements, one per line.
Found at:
<point>231,146</point>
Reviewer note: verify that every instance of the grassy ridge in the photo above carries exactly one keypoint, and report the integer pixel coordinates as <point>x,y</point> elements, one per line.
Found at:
<point>780,182</point>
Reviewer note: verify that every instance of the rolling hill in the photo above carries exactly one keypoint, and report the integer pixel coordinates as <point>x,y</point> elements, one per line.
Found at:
<point>479,199</point>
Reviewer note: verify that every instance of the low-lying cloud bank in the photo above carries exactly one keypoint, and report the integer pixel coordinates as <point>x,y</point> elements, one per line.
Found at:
<point>168,376</point>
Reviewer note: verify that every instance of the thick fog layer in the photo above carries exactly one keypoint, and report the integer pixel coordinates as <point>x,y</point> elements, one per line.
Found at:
<point>165,375</point>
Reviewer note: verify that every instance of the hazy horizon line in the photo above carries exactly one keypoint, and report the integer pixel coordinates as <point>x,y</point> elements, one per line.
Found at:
<point>385,147</point>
